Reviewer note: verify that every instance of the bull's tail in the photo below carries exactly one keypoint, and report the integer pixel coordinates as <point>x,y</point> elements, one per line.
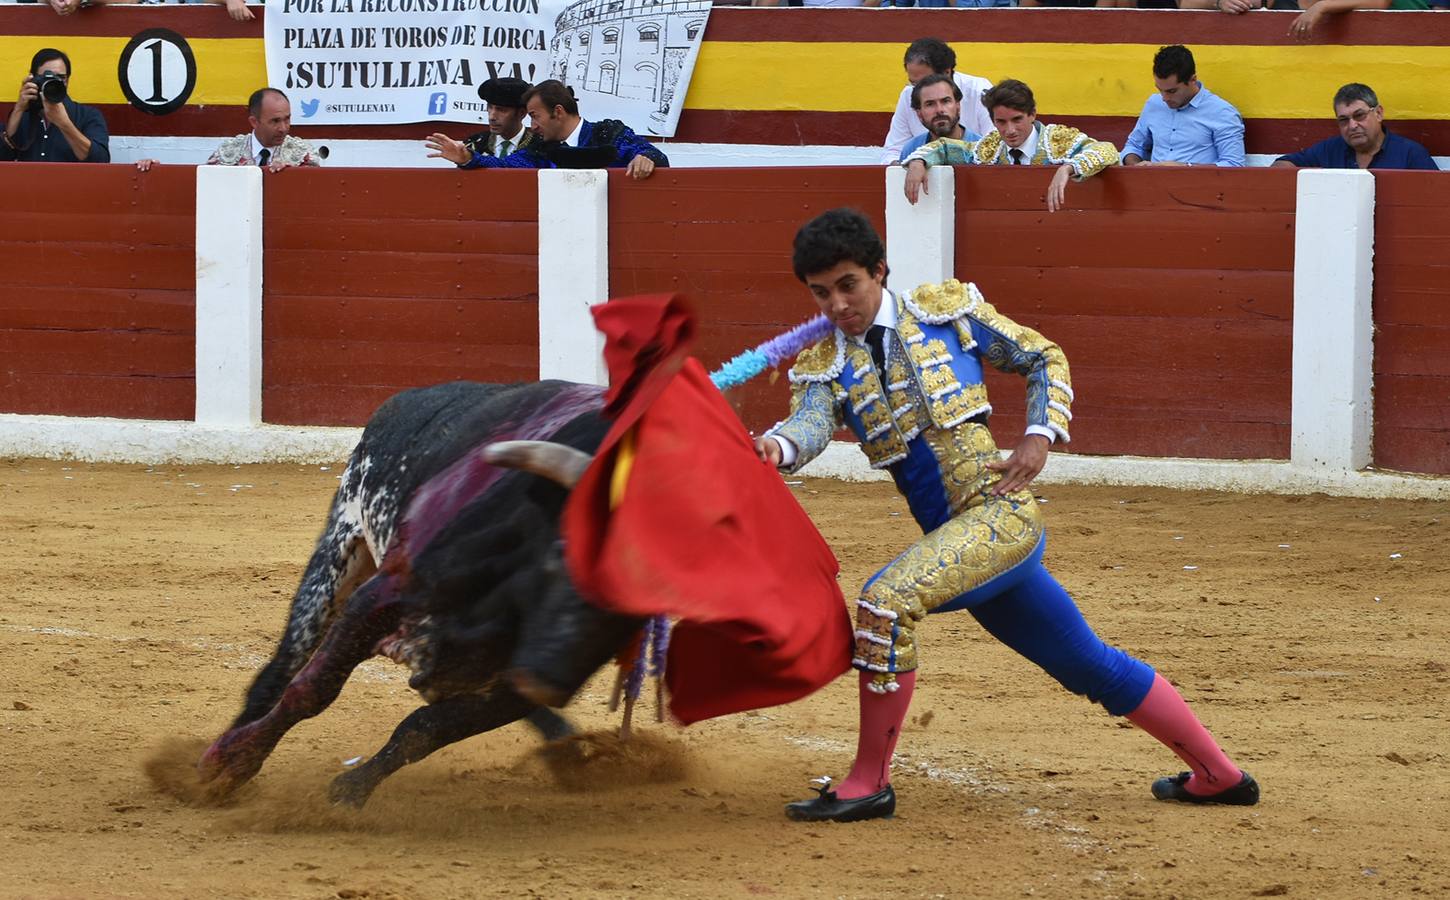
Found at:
<point>339,564</point>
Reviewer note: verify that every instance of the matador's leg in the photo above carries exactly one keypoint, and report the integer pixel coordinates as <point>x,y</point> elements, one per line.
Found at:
<point>970,559</point>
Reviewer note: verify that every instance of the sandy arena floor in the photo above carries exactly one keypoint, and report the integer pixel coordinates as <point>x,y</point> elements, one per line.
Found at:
<point>1310,633</point>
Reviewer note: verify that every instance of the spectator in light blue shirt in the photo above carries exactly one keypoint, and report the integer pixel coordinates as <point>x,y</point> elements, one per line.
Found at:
<point>1184,124</point>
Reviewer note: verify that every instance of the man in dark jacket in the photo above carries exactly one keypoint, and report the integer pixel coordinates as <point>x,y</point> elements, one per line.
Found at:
<point>568,141</point>
<point>46,125</point>
<point>506,131</point>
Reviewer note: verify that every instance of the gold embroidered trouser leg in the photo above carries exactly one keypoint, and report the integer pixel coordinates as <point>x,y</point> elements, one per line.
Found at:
<point>967,553</point>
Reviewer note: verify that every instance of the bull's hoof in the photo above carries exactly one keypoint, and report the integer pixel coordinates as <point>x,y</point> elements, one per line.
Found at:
<point>222,769</point>
<point>350,789</point>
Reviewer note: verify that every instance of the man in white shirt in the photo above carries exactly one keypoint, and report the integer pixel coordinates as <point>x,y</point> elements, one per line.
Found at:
<point>924,57</point>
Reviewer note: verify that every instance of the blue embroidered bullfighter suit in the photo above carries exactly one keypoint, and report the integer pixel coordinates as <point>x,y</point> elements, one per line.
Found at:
<point>924,419</point>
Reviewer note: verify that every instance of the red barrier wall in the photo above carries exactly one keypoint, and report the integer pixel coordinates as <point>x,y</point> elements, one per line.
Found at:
<point>1412,322</point>
<point>1170,290</point>
<point>382,279</point>
<point>98,315</point>
<point>723,238</point>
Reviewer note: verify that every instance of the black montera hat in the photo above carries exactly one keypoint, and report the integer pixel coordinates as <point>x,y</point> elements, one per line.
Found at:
<point>503,91</point>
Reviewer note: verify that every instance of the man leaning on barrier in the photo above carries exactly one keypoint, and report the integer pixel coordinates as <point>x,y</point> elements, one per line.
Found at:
<point>46,125</point>
<point>1017,139</point>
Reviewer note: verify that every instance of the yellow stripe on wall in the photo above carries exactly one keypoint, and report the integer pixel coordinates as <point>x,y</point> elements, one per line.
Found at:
<point>227,69</point>
<point>1081,79</point>
<point>1264,82</point>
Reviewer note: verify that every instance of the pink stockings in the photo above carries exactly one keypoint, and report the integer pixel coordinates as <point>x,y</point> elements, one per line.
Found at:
<point>881,718</point>
<point>1165,715</point>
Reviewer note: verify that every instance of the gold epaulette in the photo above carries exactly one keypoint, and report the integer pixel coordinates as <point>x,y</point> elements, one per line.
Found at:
<point>940,303</point>
<point>987,148</point>
<point>1060,140</point>
<point>821,361</point>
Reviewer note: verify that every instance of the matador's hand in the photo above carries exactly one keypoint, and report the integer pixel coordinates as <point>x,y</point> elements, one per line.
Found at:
<point>1022,466</point>
<point>768,449</point>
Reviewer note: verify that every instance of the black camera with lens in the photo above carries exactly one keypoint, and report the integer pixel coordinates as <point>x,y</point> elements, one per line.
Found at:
<point>51,86</point>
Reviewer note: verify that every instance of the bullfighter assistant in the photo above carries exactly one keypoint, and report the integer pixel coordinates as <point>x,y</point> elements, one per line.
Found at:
<point>904,373</point>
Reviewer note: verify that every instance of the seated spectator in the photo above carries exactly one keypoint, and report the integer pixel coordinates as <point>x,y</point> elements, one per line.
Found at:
<point>506,132</point>
<point>269,144</point>
<point>928,56</point>
<point>1018,140</point>
<point>46,125</point>
<point>1364,142</point>
<point>1184,124</point>
<point>237,9</point>
<point>938,103</point>
<point>563,140</point>
<point>1315,10</point>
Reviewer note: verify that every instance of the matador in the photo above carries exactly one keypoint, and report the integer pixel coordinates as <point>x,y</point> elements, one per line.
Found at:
<point>904,373</point>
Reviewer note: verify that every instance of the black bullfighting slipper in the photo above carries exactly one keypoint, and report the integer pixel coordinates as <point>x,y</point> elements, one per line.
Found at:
<point>827,807</point>
<point>1171,787</point>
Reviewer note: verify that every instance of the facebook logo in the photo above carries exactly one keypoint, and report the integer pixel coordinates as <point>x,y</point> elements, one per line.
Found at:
<point>438,104</point>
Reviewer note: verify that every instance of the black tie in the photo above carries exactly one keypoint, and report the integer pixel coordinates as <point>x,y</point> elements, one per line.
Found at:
<point>264,157</point>
<point>1016,157</point>
<point>876,340</point>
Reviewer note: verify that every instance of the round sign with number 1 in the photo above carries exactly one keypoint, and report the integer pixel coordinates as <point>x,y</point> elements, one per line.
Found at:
<point>157,71</point>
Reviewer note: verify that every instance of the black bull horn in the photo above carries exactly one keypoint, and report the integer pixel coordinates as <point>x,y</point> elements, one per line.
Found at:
<point>557,462</point>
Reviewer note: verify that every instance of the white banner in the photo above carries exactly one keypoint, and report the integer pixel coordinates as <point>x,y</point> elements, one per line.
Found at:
<point>375,62</point>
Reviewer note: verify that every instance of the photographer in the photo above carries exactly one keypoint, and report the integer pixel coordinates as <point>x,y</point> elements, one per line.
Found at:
<point>46,125</point>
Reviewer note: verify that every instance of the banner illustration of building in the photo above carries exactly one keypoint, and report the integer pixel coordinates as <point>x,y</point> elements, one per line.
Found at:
<point>637,54</point>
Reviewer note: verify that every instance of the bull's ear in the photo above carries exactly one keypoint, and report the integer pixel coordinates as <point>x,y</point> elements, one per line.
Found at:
<point>558,462</point>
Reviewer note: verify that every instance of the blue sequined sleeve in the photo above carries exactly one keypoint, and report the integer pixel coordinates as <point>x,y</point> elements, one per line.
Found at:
<point>814,418</point>
<point>1009,347</point>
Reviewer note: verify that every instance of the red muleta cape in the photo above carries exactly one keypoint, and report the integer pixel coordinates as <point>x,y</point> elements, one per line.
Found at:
<point>704,532</point>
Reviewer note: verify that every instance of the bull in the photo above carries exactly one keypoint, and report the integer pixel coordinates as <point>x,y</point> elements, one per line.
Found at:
<point>441,552</point>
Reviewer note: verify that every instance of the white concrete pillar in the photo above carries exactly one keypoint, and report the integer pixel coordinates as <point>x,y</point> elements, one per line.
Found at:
<point>1333,410</point>
<point>573,272</point>
<point>920,238</point>
<point>229,295</point>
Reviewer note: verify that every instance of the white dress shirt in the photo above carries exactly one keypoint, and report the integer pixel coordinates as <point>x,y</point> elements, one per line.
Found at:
<point>573,139</point>
<point>513,142</point>
<point>1028,148</point>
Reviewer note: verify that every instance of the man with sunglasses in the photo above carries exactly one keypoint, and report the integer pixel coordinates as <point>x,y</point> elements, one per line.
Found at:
<point>1364,142</point>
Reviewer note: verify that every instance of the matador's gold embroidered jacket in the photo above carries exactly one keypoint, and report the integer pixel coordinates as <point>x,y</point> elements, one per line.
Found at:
<point>924,419</point>
<point>1056,145</point>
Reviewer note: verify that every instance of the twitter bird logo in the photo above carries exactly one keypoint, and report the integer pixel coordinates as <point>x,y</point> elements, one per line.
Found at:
<point>309,108</point>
